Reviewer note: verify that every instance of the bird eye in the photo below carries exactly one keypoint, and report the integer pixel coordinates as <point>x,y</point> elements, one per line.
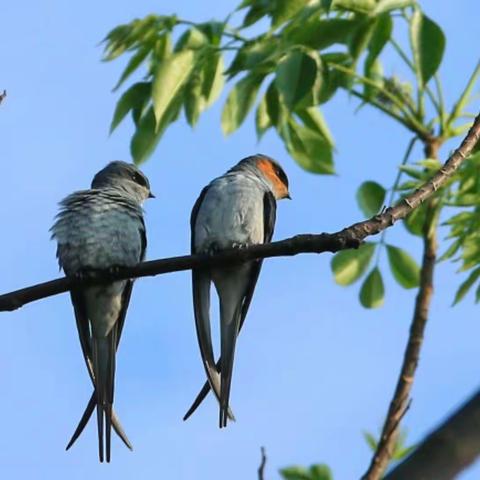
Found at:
<point>281,175</point>
<point>139,179</point>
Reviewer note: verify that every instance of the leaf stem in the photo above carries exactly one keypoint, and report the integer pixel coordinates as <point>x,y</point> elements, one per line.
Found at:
<point>463,100</point>
<point>438,104</point>
<point>412,120</point>
<point>406,156</point>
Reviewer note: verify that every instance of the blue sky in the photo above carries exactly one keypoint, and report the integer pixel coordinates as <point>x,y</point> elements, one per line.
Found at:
<point>313,368</point>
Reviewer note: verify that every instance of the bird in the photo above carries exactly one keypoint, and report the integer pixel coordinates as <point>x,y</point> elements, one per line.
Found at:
<point>235,210</point>
<point>101,230</point>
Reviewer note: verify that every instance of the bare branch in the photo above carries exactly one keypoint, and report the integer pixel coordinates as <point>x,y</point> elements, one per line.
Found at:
<point>401,398</point>
<point>350,237</point>
<point>448,450</point>
<point>261,468</point>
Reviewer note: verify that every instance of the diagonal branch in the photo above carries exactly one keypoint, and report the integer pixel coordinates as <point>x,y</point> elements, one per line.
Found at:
<point>446,451</point>
<point>401,398</point>
<point>350,237</point>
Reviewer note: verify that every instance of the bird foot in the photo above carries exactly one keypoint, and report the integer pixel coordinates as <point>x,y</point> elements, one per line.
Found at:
<point>114,270</point>
<point>86,274</point>
<point>213,249</point>
<point>239,245</point>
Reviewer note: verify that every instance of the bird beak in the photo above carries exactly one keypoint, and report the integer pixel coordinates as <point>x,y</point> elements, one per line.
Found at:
<point>151,195</point>
<point>288,196</point>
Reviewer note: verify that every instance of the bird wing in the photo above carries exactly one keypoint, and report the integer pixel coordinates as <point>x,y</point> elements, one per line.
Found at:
<point>269,217</point>
<point>84,335</point>
<point>201,282</point>
<point>79,306</point>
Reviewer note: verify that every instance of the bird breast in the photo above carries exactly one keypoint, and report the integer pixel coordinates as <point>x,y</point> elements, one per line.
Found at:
<point>97,233</point>
<point>231,214</point>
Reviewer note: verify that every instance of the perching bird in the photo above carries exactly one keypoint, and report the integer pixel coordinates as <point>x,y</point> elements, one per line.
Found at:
<point>237,209</point>
<point>102,229</point>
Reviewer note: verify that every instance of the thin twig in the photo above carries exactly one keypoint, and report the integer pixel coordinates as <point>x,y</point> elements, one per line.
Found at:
<point>350,237</point>
<point>261,468</point>
<point>393,191</point>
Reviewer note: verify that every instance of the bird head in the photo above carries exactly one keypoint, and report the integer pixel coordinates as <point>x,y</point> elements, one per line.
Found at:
<point>273,174</point>
<point>125,176</point>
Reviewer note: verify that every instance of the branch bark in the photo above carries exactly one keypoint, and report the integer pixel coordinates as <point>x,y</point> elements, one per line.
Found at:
<point>401,398</point>
<point>448,450</point>
<point>350,237</point>
<point>263,462</point>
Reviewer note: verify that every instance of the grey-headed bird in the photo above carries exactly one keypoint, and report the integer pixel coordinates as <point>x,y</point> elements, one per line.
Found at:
<point>102,229</point>
<point>237,209</point>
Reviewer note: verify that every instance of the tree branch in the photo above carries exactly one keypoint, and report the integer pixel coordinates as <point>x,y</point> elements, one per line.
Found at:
<point>350,237</point>
<point>401,398</point>
<point>448,450</point>
<point>263,462</point>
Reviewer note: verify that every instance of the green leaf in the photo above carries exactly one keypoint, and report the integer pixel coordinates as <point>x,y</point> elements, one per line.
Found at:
<point>370,198</point>
<point>285,9</point>
<point>384,6</point>
<point>313,118</point>
<point>380,36</point>
<point>372,291</point>
<point>194,101</point>
<point>149,132</point>
<point>320,34</point>
<point>371,440</point>
<point>192,39</point>
<point>428,44</point>
<point>309,149</point>
<point>466,285</point>
<point>275,108</point>
<point>415,221</point>
<point>360,37</point>
<point>404,268</point>
<point>239,102</point>
<point>171,75</point>
<point>402,453</point>
<point>135,96</point>
<point>145,138</point>
<point>413,171</point>
<point>451,250</point>
<point>134,63</point>
<point>213,79</point>
<point>258,10</point>
<point>349,265</point>
<point>357,6</point>
<point>374,72</point>
<point>262,120</point>
<point>213,30</point>
<point>161,50</point>
<point>252,55</point>
<point>295,76</point>
<point>295,473</point>
<point>327,5</point>
<point>320,472</point>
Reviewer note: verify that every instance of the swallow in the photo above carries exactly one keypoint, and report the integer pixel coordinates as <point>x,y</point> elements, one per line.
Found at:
<point>235,210</point>
<point>100,230</point>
